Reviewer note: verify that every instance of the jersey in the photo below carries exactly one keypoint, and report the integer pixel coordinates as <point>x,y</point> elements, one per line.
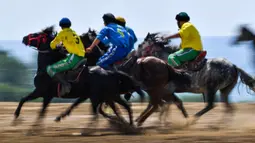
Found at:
<point>190,37</point>
<point>116,35</point>
<point>70,40</point>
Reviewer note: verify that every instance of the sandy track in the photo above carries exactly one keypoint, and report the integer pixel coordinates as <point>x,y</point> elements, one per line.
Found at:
<point>240,129</point>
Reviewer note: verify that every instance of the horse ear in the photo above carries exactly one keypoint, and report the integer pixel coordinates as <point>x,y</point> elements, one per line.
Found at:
<point>147,35</point>
<point>89,29</point>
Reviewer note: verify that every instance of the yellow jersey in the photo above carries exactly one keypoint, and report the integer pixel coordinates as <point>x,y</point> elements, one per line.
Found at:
<point>70,40</point>
<point>190,37</point>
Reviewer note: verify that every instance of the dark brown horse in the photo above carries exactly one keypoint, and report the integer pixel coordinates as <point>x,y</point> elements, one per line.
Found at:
<point>154,74</point>
<point>216,74</point>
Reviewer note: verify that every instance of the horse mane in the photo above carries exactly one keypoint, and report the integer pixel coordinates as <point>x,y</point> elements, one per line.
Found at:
<point>165,45</point>
<point>50,30</point>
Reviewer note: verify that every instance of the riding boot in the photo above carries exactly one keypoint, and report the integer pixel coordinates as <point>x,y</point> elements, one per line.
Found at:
<point>65,86</point>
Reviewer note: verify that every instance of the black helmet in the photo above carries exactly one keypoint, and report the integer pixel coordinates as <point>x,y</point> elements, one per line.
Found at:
<point>182,16</point>
<point>109,18</point>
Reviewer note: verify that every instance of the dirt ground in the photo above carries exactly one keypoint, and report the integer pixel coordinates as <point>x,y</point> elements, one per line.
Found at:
<point>208,129</point>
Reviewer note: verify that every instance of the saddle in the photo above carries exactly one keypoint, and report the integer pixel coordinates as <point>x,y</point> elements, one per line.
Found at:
<point>73,75</point>
<point>196,64</point>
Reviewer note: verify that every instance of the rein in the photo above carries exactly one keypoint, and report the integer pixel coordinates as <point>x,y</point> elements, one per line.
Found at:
<point>45,51</point>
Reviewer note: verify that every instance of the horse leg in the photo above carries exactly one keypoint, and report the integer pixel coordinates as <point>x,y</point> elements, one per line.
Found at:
<point>33,95</point>
<point>38,122</point>
<point>127,107</point>
<point>155,101</point>
<point>210,105</point>
<point>210,102</point>
<point>147,114</point>
<point>69,110</point>
<point>101,111</point>
<point>229,108</point>
<point>178,102</point>
<point>224,96</point>
<point>149,106</point>
<point>94,119</point>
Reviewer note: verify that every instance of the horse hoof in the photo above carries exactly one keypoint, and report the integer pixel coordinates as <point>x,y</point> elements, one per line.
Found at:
<point>192,120</point>
<point>16,121</point>
<point>139,124</point>
<point>58,119</point>
<point>137,120</point>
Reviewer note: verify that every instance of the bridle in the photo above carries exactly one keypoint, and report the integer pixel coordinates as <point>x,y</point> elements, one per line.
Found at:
<point>40,38</point>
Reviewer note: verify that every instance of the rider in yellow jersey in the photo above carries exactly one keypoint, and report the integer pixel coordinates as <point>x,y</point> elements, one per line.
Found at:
<point>191,43</point>
<point>74,47</point>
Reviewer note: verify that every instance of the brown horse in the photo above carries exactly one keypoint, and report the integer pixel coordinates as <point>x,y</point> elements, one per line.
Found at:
<point>213,75</point>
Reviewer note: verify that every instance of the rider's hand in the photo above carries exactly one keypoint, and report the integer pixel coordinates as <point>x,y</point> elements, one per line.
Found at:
<point>159,39</point>
<point>89,50</point>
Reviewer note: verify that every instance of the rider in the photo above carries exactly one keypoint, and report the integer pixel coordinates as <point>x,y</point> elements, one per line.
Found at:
<point>74,46</point>
<point>121,21</point>
<point>117,36</point>
<point>191,44</point>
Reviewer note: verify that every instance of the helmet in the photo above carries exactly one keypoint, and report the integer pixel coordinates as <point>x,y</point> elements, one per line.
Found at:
<point>121,21</point>
<point>109,18</point>
<point>65,22</point>
<point>182,16</point>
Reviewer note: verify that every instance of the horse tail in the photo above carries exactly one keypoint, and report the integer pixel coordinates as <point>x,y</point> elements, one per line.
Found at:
<point>127,84</point>
<point>246,78</point>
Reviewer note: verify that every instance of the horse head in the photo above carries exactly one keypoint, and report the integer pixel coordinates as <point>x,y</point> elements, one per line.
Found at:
<point>40,40</point>
<point>153,45</point>
<point>245,34</point>
<point>87,39</point>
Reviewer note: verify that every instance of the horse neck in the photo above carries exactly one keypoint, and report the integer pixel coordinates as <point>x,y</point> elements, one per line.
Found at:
<point>159,51</point>
<point>46,59</point>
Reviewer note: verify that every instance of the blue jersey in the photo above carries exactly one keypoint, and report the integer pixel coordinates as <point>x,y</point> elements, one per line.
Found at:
<point>117,35</point>
<point>132,33</point>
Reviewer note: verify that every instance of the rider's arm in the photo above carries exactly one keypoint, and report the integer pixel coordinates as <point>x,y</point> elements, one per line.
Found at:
<point>100,37</point>
<point>95,42</point>
<point>183,32</point>
<point>177,35</point>
<point>57,40</point>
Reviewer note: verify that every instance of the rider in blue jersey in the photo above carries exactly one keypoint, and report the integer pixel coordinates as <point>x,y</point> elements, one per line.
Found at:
<point>121,21</point>
<point>117,36</point>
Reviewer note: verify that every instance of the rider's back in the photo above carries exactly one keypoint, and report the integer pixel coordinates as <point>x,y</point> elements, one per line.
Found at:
<point>71,41</point>
<point>116,34</point>
<point>190,37</point>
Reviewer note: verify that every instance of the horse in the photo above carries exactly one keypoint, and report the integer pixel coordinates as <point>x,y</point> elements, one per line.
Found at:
<point>153,75</point>
<point>245,34</point>
<point>209,76</point>
<point>83,80</point>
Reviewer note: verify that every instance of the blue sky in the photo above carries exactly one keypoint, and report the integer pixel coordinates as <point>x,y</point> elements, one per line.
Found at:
<point>212,18</point>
